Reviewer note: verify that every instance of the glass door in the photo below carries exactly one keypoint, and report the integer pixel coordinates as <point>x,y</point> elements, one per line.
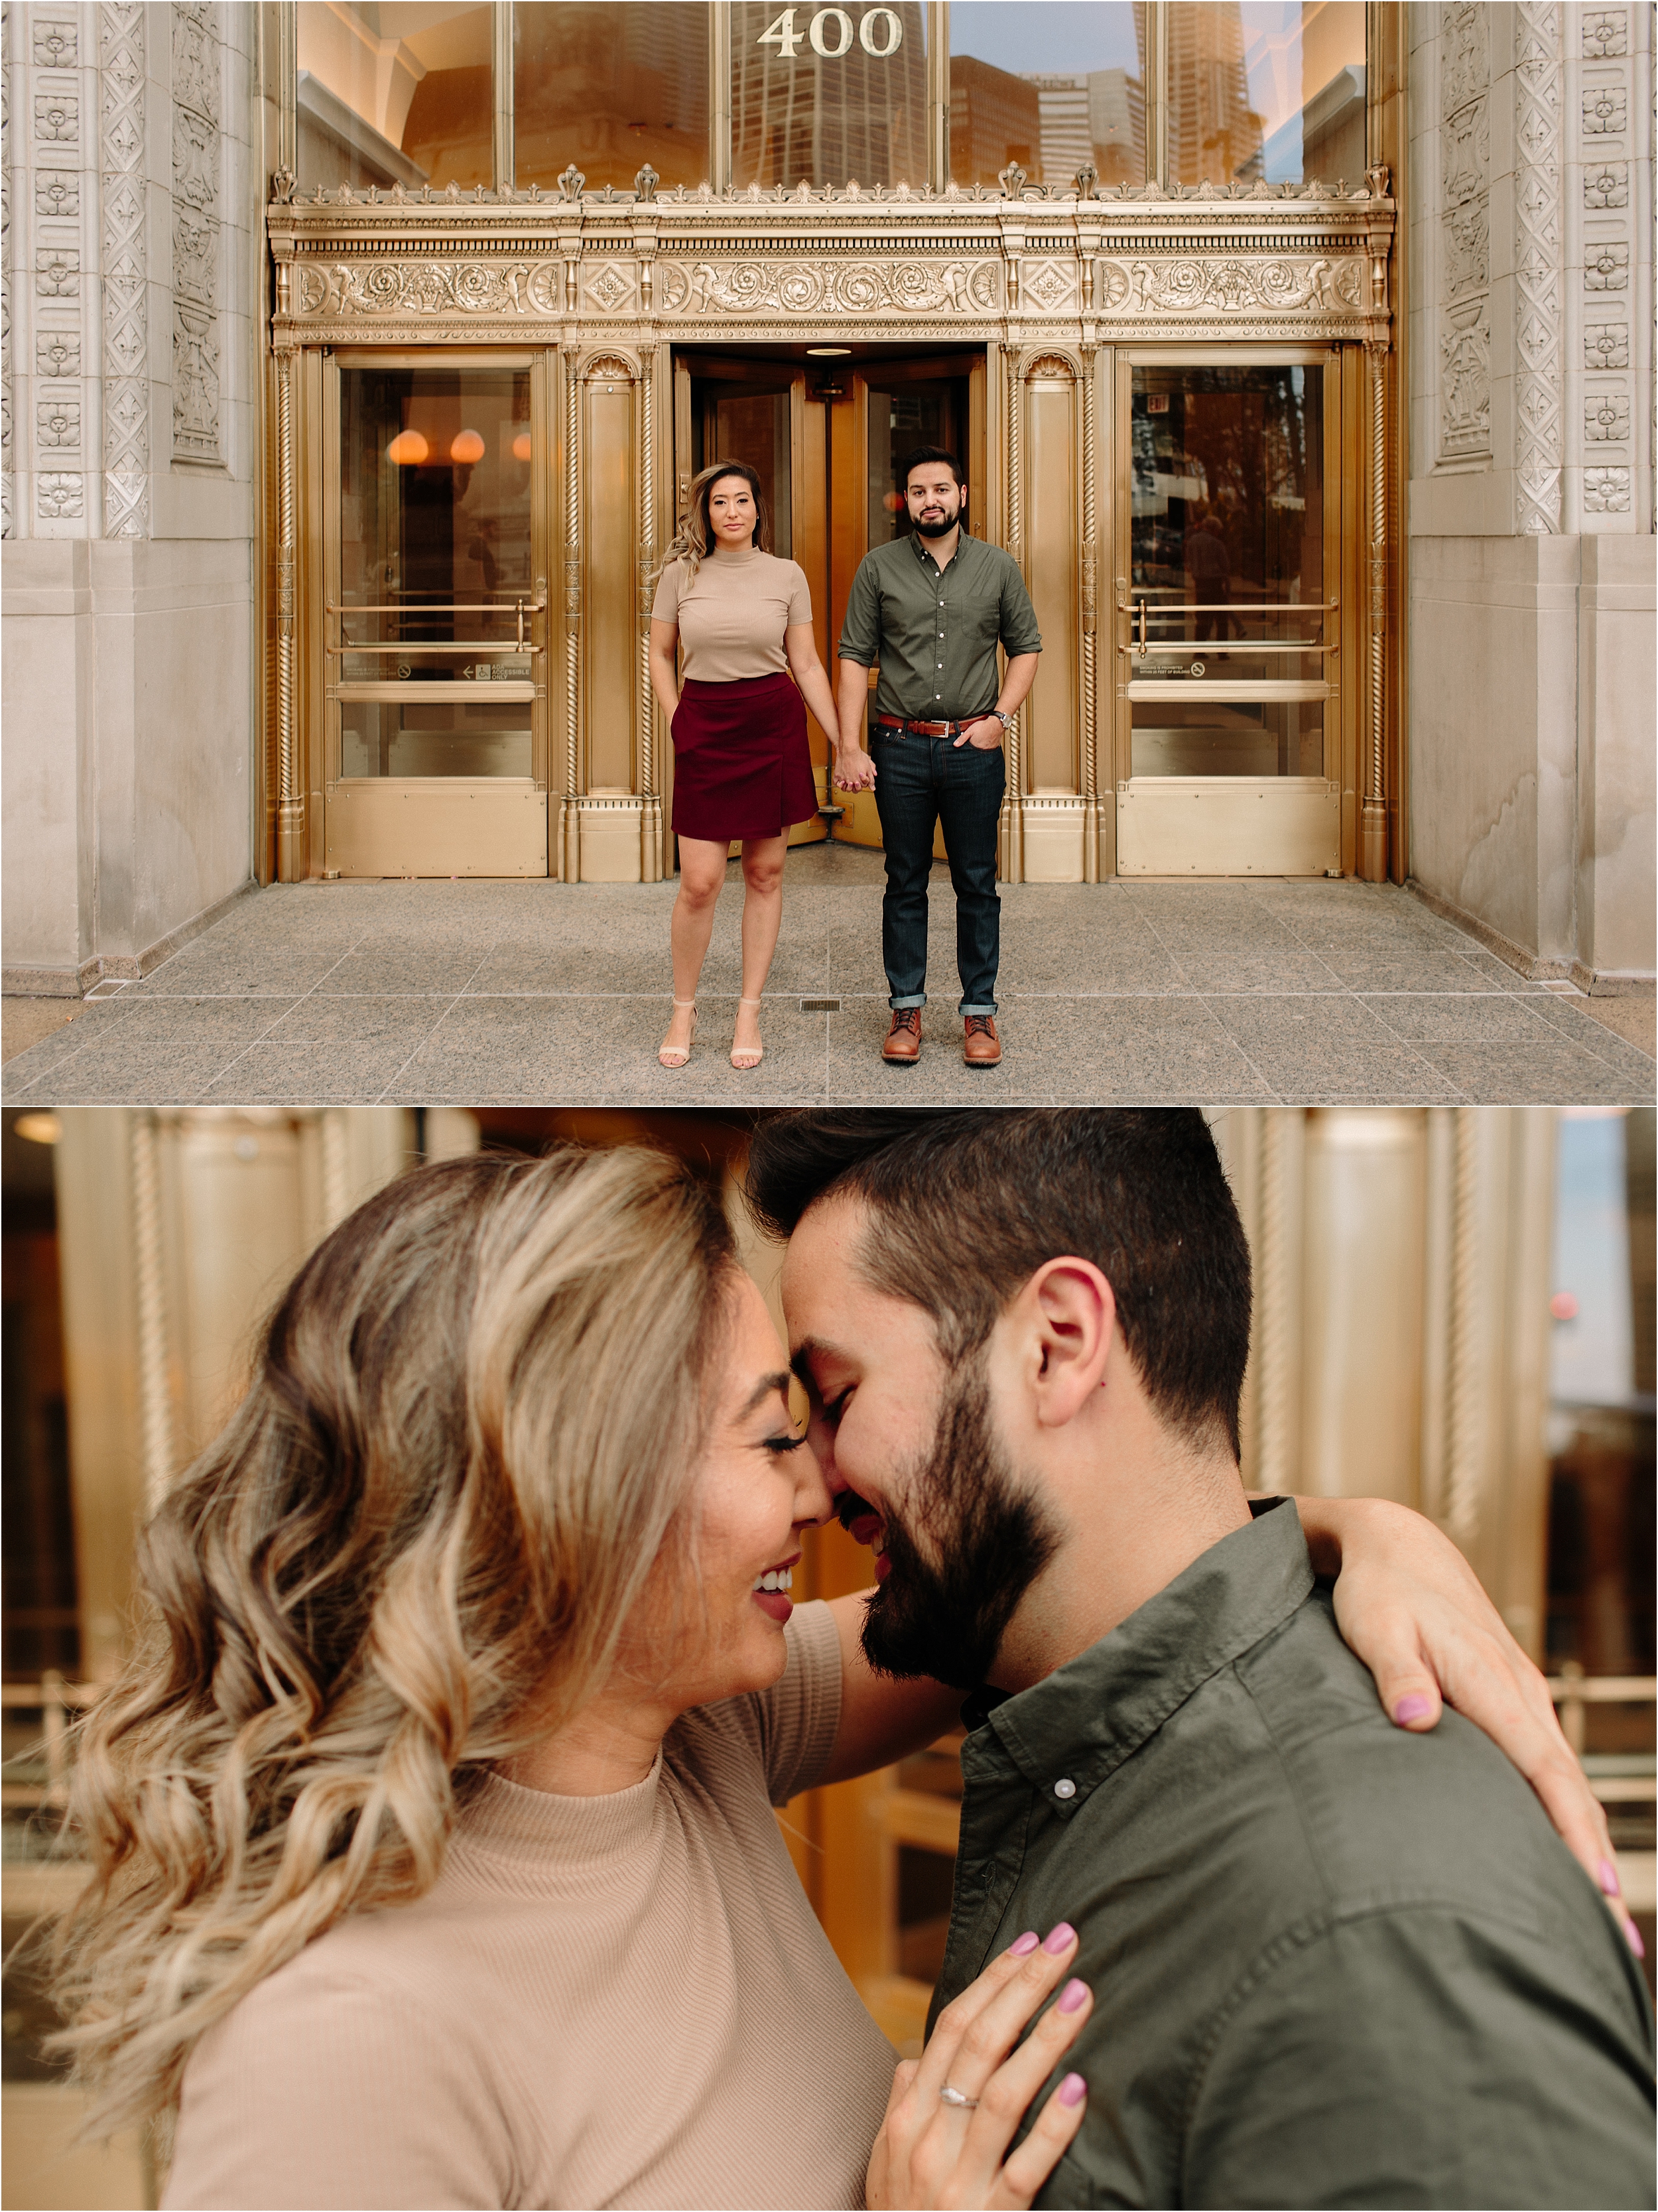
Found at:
<point>435,615</point>
<point>1228,617</point>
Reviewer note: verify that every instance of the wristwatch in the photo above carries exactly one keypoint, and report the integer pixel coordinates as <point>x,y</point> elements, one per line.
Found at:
<point>1005,719</point>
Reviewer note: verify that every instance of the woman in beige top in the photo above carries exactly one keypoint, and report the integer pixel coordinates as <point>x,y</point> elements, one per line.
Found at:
<point>433,1861</point>
<point>741,765</point>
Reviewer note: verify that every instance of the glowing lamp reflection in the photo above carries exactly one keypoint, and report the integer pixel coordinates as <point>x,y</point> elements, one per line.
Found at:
<point>521,445</point>
<point>467,448</point>
<point>408,449</point>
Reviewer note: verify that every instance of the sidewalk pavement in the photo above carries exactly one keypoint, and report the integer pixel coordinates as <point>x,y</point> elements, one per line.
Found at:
<point>475,993</point>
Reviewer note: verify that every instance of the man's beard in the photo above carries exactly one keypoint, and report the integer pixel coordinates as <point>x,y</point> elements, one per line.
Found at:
<point>992,1540</point>
<point>938,529</point>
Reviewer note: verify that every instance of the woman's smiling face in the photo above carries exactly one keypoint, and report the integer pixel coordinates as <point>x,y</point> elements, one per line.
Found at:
<point>711,1623</point>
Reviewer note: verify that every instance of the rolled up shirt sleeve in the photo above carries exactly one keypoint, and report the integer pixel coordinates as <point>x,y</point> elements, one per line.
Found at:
<point>860,633</point>
<point>1020,632</point>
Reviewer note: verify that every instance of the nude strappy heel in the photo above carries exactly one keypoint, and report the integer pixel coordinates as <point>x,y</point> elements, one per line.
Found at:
<point>673,1055</point>
<point>749,1056</point>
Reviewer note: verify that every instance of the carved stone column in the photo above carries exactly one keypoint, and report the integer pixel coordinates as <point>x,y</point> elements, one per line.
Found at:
<point>1012,824</point>
<point>569,817</point>
<point>1538,243</point>
<point>1091,727</point>
<point>290,804</point>
<point>650,807</point>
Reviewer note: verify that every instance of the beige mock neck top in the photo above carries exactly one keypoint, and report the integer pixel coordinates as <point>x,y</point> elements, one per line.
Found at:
<point>622,2000</point>
<point>732,615</point>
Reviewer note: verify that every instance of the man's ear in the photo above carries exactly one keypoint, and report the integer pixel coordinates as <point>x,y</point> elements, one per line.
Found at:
<point>1075,1315</point>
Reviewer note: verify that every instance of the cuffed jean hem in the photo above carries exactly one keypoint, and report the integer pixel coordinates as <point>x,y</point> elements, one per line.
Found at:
<point>916,999</point>
<point>964,1010</point>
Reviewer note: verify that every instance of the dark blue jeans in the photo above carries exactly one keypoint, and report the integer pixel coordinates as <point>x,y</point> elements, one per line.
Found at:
<point>919,781</point>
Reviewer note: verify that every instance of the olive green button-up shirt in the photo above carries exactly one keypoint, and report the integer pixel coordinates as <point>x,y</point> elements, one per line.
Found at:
<point>934,631</point>
<point>1333,1964</point>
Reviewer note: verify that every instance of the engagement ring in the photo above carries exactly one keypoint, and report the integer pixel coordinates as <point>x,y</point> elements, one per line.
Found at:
<point>949,2096</point>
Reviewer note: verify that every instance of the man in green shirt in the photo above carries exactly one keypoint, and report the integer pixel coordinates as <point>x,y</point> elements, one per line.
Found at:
<point>931,608</point>
<point>1333,1963</point>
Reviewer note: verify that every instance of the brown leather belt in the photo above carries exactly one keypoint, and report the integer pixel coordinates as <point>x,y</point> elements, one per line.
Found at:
<point>913,729</point>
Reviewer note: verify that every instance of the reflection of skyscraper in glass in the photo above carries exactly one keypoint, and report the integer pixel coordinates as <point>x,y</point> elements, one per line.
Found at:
<point>1065,143</point>
<point>829,94</point>
<point>995,118</point>
<point>1213,132</point>
<point>1116,124</point>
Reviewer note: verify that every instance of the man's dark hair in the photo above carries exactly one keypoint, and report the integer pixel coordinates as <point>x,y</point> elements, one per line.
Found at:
<point>968,1203</point>
<point>924,454</point>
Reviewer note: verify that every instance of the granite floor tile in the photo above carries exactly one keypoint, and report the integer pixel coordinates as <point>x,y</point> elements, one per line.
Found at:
<point>1288,971</point>
<point>306,1054</point>
<point>1456,1017</point>
<point>383,971</point>
<point>97,1021</point>
<point>1135,1051</point>
<point>1569,1020</point>
<point>249,970</point>
<point>1532,1075</point>
<point>1388,968</point>
<point>1303,1021</point>
<point>1351,1075</point>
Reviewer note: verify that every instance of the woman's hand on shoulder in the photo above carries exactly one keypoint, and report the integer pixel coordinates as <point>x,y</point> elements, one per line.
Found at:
<point>1414,1610</point>
<point>953,2113</point>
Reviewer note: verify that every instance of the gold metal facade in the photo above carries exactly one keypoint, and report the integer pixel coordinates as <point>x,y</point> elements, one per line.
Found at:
<point>1048,296</point>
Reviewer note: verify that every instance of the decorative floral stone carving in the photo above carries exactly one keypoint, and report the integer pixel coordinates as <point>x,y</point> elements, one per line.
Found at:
<point>196,162</point>
<point>57,272</point>
<point>56,353</point>
<point>1465,230</point>
<point>1605,33</point>
<point>1605,418</point>
<point>1606,266</point>
<point>1540,364</point>
<point>1606,491</point>
<point>1606,184</point>
<point>1606,111</point>
<point>1606,345</point>
<point>126,336</point>
<point>57,118</point>
<point>57,191</point>
<point>58,422</point>
<point>55,46</point>
<point>59,498</point>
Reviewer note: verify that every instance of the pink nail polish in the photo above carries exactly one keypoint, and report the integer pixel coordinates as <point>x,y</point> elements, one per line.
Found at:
<point>1609,1881</point>
<point>1061,1938</point>
<point>1026,1944</point>
<point>1635,1943</point>
<point>1072,2090</point>
<point>1074,1997</point>
<point>1416,1707</point>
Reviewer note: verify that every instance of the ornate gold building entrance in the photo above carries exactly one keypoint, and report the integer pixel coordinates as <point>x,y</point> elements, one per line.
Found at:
<point>1172,403</point>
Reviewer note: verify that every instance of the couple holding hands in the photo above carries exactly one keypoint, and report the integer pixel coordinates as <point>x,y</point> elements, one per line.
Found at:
<point>434,1861</point>
<point>931,610</point>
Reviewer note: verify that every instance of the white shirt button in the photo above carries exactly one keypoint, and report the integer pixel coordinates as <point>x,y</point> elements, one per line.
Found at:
<point>1064,1787</point>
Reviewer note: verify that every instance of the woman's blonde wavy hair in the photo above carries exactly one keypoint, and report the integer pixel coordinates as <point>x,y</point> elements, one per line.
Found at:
<point>696,532</point>
<point>474,1418</point>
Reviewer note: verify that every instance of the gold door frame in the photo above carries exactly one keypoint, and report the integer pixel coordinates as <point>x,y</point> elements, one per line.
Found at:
<point>1276,825</point>
<point>406,826</point>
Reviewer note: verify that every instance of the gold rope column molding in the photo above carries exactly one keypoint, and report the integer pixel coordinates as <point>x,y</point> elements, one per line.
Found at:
<point>155,1387</point>
<point>1373,828</point>
<point>570,810</point>
<point>1271,1356</point>
<point>650,803</point>
<point>1465,1385</point>
<point>1090,619</point>
<point>290,813</point>
<point>1012,811</point>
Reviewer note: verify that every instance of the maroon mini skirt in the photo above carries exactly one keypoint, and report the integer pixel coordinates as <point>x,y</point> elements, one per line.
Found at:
<point>741,765</point>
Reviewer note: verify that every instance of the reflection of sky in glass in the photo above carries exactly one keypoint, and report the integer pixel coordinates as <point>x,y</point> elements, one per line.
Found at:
<point>1030,38</point>
<point>1593,1360</point>
<point>1291,51</point>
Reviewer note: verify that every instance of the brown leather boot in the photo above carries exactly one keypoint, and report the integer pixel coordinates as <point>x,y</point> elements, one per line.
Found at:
<point>903,1046</point>
<point>980,1046</point>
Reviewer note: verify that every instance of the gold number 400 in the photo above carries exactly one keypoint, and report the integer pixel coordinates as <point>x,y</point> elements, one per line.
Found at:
<point>830,34</point>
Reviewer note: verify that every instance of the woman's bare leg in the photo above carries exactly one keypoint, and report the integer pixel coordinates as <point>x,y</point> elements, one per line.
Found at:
<point>701,874</point>
<point>762,916</point>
